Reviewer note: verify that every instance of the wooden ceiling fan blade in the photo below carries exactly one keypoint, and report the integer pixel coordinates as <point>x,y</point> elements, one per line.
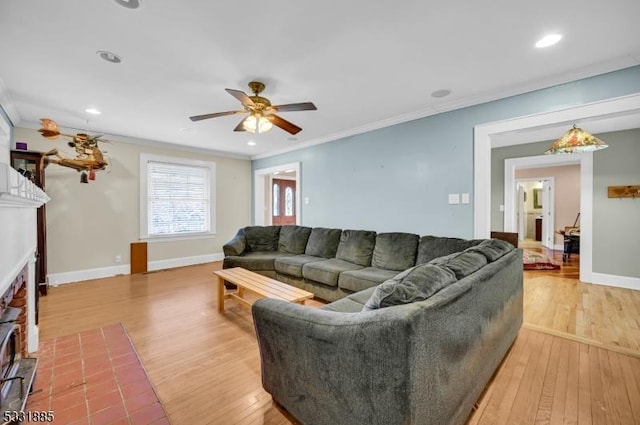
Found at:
<point>284,124</point>
<point>214,115</point>
<point>304,106</point>
<point>241,96</point>
<point>240,126</point>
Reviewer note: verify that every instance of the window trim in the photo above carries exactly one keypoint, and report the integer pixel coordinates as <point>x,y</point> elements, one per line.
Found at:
<point>145,158</point>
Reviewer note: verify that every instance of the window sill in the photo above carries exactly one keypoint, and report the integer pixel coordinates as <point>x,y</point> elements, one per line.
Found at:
<point>172,238</point>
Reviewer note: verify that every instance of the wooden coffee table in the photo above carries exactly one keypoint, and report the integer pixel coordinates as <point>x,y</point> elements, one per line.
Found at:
<point>255,283</point>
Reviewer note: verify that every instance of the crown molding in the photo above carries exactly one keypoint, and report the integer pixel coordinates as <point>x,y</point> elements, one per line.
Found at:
<point>145,142</point>
<point>540,84</point>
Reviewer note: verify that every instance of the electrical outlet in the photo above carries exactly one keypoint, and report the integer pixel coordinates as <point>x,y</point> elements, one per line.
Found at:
<point>118,258</point>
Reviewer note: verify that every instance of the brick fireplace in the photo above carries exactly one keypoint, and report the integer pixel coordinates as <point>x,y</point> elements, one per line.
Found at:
<point>19,200</point>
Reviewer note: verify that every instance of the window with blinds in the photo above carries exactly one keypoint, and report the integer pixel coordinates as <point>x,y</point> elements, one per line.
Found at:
<point>178,197</point>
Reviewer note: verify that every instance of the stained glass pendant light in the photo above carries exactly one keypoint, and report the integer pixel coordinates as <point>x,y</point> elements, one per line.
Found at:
<point>576,140</point>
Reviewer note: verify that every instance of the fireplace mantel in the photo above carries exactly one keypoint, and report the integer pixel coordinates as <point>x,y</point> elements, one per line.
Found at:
<point>18,191</point>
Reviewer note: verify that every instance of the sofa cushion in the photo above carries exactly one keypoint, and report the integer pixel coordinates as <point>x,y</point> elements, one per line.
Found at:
<point>262,238</point>
<point>492,249</point>
<point>415,284</point>
<point>344,305</point>
<point>263,260</point>
<point>293,239</point>
<point>323,242</point>
<point>395,251</point>
<point>463,263</point>
<point>357,280</point>
<point>327,271</point>
<point>292,266</point>
<point>431,247</point>
<point>356,246</point>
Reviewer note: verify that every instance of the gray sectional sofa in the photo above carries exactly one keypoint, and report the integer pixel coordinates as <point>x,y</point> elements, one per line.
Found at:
<point>332,263</point>
<point>416,349</point>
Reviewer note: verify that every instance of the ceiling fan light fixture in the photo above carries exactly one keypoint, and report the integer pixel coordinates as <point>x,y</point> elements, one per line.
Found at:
<point>109,56</point>
<point>129,4</point>
<point>257,124</point>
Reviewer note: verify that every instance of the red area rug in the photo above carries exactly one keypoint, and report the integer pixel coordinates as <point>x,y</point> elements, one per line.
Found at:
<point>534,260</point>
<point>94,377</point>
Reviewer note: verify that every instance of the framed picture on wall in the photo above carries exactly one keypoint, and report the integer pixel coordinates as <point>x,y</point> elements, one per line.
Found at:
<point>537,198</point>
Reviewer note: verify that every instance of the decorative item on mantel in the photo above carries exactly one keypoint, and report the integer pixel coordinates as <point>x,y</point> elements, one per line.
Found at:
<point>576,140</point>
<point>89,157</point>
<point>623,191</point>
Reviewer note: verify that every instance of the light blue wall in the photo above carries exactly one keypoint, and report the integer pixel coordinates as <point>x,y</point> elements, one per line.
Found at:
<point>397,178</point>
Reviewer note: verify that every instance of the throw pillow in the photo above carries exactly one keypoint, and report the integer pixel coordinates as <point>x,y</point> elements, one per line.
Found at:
<point>492,248</point>
<point>461,263</point>
<point>415,284</point>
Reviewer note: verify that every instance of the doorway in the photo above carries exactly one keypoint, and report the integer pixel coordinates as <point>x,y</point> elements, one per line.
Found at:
<point>283,207</point>
<point>266,210</point>
<point>535,211</point>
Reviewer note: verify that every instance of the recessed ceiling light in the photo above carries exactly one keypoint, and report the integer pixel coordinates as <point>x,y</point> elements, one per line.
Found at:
<point>251,143</point>
<point>548,40</point>
<point>109,56</point>
<point>441,93</point>
<point>289,171</point>
<point>92,111</point>
<point>129,4</point>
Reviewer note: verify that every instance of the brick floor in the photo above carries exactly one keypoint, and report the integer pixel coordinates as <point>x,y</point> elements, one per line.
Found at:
<point>94,378</point>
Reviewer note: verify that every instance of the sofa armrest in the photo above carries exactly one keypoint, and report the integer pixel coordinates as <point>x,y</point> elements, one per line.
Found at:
<point>325,366</point>
<point>235,246</point>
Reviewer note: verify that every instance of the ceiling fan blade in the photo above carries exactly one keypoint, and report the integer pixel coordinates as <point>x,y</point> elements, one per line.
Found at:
<point>305,106</point>
<point>240,126</point>
<point>284,124</point>
<point>214,115</point>
<point>241,96</point>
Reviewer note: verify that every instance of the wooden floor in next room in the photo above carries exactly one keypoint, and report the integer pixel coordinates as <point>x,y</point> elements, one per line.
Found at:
<point>206,368</point>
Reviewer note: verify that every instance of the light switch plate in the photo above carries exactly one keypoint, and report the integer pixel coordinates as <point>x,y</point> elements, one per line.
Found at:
<point>454,198</point>
<point>465,198</point>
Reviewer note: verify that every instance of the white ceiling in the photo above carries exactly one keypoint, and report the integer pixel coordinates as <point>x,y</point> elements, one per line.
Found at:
<point>364,64</point>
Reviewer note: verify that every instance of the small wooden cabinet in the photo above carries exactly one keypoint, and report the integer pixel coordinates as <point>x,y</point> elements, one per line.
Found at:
<point>30,164</point>
<point>538,229</point>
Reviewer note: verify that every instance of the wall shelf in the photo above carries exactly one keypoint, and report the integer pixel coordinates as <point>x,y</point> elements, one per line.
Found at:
<point>624,191</point>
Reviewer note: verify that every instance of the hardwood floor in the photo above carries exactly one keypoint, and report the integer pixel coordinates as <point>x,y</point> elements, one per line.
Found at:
<point>206,368</point>
<point>557,302</point>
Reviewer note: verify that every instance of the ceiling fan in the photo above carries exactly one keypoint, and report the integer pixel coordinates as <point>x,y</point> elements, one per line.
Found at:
<point>262,114</point>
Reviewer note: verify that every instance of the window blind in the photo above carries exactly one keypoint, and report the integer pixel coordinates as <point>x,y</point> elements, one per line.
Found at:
<point>178,199</point>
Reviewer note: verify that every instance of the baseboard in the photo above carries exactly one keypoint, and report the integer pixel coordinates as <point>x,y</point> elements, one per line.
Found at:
<point>184,261</point>
<point>613,280</point>
<point>56,279</point>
